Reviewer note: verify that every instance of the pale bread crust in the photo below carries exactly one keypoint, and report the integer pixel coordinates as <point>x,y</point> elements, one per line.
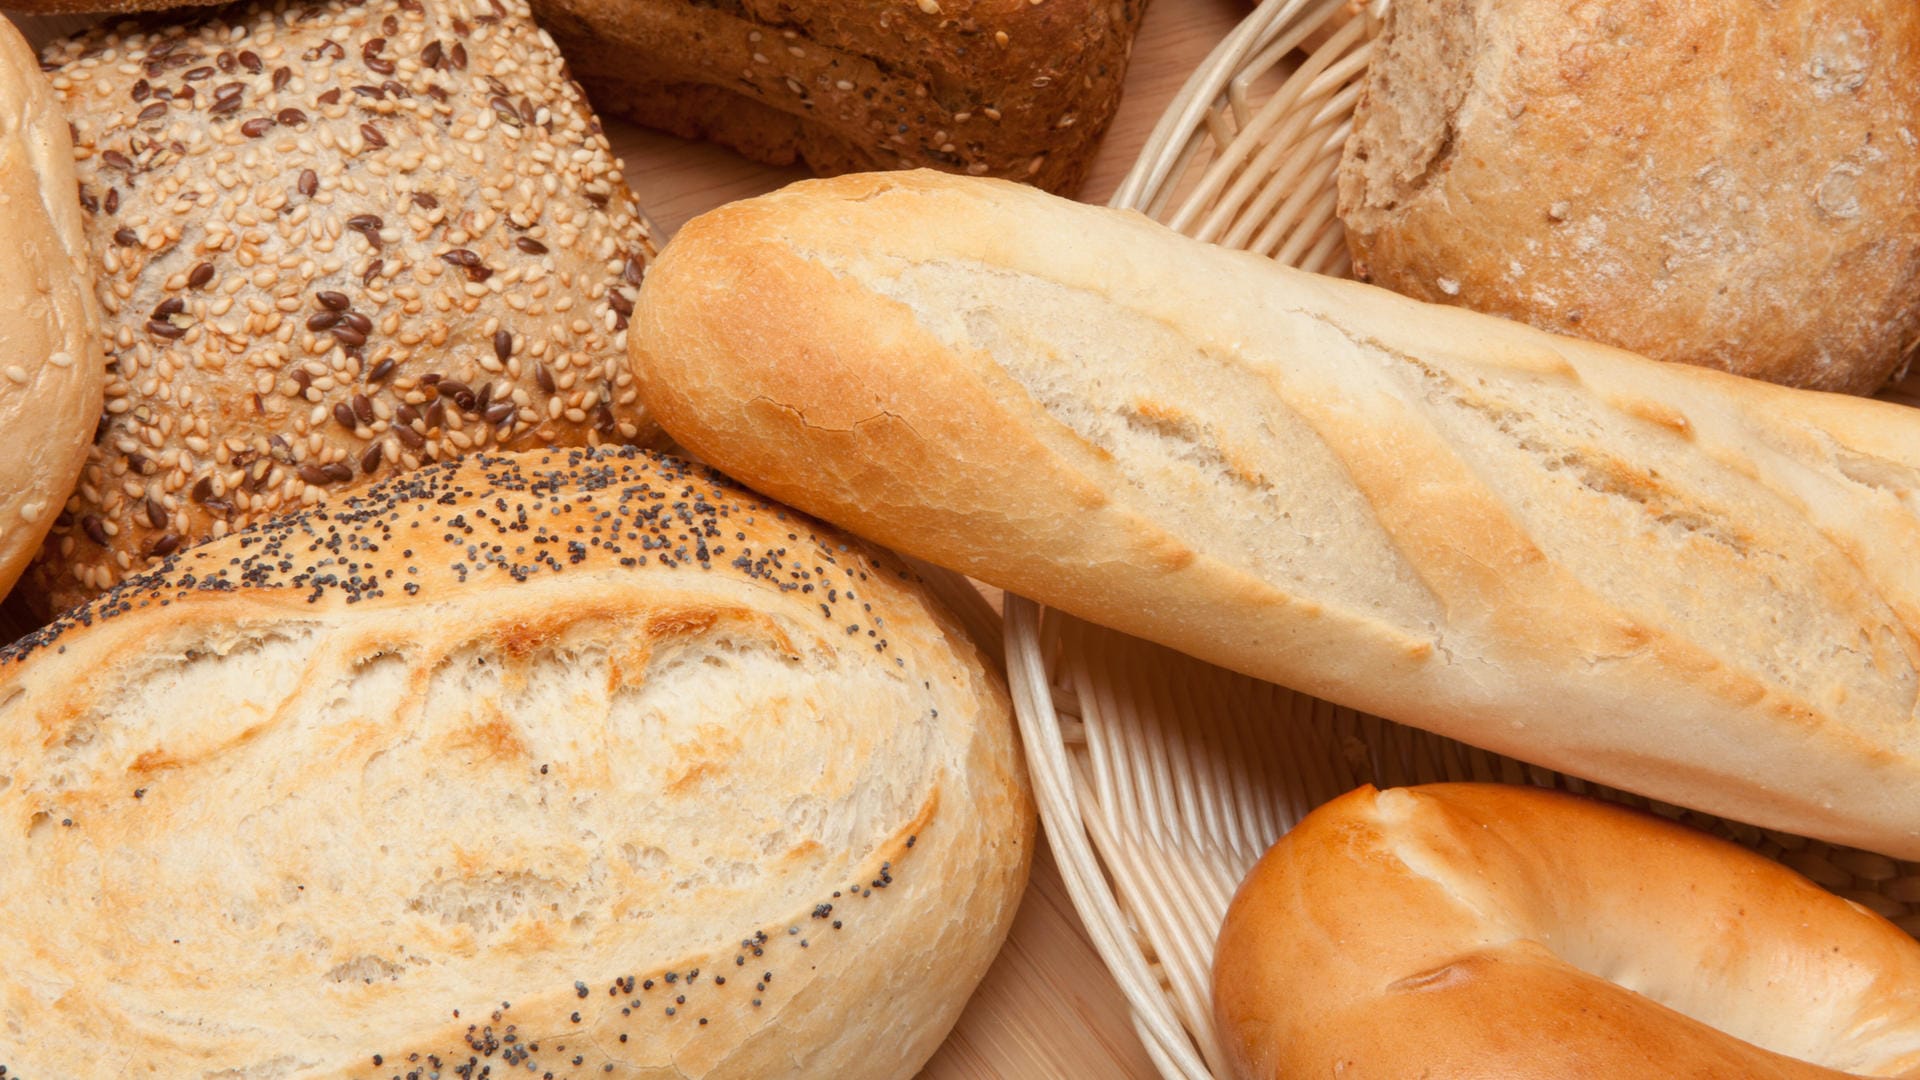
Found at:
<point>1493,931</point>
<point>52,370</point>
<point>1719,183</point>
<point>674,782</point>
<point>1663,578</point>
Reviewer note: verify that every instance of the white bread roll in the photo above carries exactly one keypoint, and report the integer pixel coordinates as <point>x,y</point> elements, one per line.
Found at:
<point>1670,580</point>
<point>1482,930</point>
<point>52,370</point>
<point>583,763</point>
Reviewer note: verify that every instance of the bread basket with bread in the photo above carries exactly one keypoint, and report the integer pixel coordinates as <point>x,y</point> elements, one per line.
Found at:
<point>402,712</point>
<point>1163,779</point>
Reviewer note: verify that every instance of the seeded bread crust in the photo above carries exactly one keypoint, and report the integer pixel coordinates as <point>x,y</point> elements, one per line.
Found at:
<point>566,763</point>
<point>1723,183</point>
<point>334,240</point>
<point>1018,89</point>
<point>51,369</point>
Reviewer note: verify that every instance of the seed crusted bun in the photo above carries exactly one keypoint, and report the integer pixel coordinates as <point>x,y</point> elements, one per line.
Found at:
<point>566,763</point>
<point>1486,930</point>
<point>51,369</point>
<point>334,240</point>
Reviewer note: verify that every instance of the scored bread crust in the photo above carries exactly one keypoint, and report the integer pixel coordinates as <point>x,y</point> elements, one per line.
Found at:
<point>51,366</point>
<point>1487,930</point>
<point>578,761</point>
<point>1006,88</point>
<point>333,240</point>
<point>1659,577</point>
<point>1712,183</point>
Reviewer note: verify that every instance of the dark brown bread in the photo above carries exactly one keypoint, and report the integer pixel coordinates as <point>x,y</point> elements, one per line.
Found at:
<point>1019,89</point>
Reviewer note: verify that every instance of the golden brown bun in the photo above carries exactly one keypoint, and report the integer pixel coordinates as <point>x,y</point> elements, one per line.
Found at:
<point>1007,88</point>
<point>1435,516</point>
<point>583,762</point>
<point>345,203</point>
<point>51,369</point>
<point>1715,182</point>
<point>1482,930</point>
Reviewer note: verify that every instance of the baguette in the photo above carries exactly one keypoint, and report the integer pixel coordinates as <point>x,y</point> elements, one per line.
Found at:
<point>1675,581</point>
<point>565,764</point>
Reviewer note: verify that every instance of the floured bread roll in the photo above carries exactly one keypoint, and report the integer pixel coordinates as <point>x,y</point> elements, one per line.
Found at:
<point>570,763</point>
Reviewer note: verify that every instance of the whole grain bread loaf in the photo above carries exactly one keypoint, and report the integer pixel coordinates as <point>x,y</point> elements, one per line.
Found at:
<point>1714,182</point>
<point>1020,89</point>
<point>333,240</point>
<point>566,763</point>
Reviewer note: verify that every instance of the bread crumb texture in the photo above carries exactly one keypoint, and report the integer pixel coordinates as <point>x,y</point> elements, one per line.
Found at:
<point>573,763</point>
<point>333,240</point>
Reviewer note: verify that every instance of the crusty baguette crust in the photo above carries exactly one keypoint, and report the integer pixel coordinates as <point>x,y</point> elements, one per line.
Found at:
<point>581,762</point>
<point>1485,930</point>
<point>1670,580</point>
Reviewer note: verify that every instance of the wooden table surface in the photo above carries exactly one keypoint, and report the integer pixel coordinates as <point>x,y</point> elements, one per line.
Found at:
<point>1048,1007</point>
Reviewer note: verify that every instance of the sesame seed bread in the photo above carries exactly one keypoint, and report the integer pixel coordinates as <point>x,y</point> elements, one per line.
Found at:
<point>1714,182</point>
<point>1484,930</point>
<point>334,240</point>
<point>566,763</point>
<point>1664,578</point>
<point>1021,89</point>
<point>51,369</point>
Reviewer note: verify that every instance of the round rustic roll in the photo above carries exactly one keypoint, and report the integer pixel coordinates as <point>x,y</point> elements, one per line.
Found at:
<point>51,369</point>
<point>1721,183</point>
<point>334,240</point>
<point>1502,931</point>
<point>563,763</point>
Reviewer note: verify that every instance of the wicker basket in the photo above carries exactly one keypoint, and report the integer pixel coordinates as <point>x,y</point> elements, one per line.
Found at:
<point>1162,779</point>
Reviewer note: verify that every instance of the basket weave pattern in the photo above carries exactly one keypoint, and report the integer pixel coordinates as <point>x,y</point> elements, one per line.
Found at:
<point>1161,779</point>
